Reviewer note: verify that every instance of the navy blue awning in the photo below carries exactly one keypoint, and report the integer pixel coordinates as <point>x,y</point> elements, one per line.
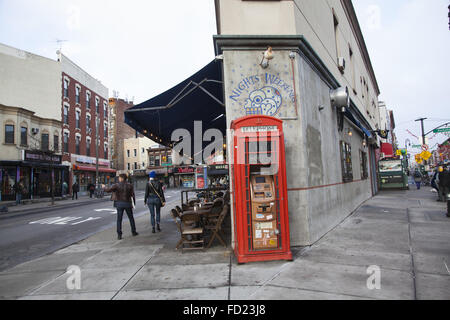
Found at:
<point>353,119</point>
<point>198,98</point>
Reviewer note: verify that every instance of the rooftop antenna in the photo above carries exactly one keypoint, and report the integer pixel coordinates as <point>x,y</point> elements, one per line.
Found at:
<point>59,43</point>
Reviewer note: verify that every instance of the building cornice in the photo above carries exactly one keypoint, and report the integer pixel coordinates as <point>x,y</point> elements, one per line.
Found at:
<point>356,28</point>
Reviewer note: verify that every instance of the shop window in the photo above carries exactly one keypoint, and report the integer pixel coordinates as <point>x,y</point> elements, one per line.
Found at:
<point>56,143</point>
<point>346,161</point>
<point>363,162</point>
<point>66,88</point>
<point>7,179</point>
<point>152,161</point>
<point>66,142</point>
<point>9,134</point>
<point>77,144</point>
<point>157,161</point>
<point>23,136</point>
<point>77,94</point>
<point>45,142</point>
<point>66,114</point>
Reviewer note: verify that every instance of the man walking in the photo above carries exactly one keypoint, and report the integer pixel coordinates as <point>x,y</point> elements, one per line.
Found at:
<point>154,199</point>
<point>444,186</point>
<point>91,188</point>
<point>75,190</point>
<point>19,188</point>
<point>417,178</point>
<point>124,199</point>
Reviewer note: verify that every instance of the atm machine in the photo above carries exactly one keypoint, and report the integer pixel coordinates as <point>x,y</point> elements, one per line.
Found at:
<point>264,215</point>
<point>260,201</point>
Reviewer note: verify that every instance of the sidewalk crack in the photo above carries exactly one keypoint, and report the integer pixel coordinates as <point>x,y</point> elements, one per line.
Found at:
<point>413,268</point>
<point>134,274</point>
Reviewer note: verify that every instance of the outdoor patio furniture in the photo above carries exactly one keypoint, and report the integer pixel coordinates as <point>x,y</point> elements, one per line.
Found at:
<point>191,236</point>
<point>214,225</point>
<point>177,212</point>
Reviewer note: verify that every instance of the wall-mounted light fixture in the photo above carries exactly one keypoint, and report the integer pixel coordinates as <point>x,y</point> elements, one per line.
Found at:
<point>364,143</point>
<point>267,56</point>
<point>349,132</point>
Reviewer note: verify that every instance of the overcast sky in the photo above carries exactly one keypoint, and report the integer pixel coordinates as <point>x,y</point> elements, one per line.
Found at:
<point>141,48</point>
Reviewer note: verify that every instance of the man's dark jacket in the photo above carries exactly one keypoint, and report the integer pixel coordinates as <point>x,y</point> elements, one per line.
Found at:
<point>124,192</point>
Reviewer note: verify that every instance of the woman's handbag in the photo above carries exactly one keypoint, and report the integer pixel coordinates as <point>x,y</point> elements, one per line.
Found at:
<point>160,199</point>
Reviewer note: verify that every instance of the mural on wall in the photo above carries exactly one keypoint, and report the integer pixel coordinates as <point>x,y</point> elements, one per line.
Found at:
<point>251,90</point>
<point>266,101</point>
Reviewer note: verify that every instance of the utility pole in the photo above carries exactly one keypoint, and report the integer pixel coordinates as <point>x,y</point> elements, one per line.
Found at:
<point>423,133</point>
<point>423,130</point>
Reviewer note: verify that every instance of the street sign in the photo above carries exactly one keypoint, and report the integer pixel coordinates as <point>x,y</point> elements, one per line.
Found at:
<point>425,147</point>
<point>417,146</point>
<point>425,155</point>
<point>441,130</point>
<point>418,158</point>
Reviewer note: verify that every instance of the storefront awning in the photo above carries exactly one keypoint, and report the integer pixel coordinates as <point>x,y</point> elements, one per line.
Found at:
<point>353,119</point>
<point>85,168</point>
<point>198,98</point>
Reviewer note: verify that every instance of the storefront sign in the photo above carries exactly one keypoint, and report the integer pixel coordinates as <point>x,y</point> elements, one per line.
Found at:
<point>91,160</point>
<point>184,170</point>
<point>41,157</point>
<point>218,167</point>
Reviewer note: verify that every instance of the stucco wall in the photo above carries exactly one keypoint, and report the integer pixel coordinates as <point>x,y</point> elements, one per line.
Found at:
<point>24,118</point>
<point>318,199</point>
<point>30,81</point>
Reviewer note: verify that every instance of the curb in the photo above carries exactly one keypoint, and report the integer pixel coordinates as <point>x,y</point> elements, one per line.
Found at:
<point>24,212</point>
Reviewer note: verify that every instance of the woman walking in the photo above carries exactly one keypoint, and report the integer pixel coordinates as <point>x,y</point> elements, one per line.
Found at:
<point>154,199</point>
<point>124,198</point>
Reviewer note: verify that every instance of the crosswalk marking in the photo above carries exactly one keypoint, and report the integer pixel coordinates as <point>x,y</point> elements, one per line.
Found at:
<point>64,220</point>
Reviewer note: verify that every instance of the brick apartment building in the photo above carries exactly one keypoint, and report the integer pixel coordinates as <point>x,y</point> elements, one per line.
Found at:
<point>118,132</point>
<point>84,102</point>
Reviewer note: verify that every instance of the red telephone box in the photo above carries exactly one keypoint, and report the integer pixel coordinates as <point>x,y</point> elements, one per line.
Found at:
<point>261,222</point>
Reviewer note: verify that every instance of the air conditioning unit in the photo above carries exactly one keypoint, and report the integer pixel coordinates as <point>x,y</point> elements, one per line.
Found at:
<point>34,131</point>
<point>341,64</point>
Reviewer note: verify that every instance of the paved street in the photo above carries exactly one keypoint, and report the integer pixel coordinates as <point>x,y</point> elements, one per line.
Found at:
<point>31,234</point>
<point>403,233</point>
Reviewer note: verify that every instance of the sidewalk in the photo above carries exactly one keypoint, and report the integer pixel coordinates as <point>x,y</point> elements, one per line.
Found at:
<point>405,233</point>
<point>45,204</point>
